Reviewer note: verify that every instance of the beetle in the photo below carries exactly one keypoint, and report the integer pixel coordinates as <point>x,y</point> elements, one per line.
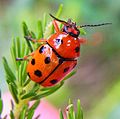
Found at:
<point>58,56</point>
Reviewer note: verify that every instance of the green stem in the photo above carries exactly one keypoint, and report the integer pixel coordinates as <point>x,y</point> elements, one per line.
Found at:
<point>18,107</point>
<point>22,102</point>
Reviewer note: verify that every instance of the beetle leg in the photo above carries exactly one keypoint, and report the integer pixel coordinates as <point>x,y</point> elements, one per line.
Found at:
<point>25,57</point>
<point>34,40</point>
<point>83,40</point>
<point>55,26</point>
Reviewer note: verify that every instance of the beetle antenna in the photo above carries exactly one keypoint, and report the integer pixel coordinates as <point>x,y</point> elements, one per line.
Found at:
<point>94,25</point>
<point>62,21</point>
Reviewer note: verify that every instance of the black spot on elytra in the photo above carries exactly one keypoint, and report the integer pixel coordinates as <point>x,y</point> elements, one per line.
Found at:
<point>28,74</point>
<point>66,69</point>
<point>77,49</point>
<point>54,81</point>
<point>38,73</point>
<point>33,61</point>
<point>47,60</point>
<point>41,49</point>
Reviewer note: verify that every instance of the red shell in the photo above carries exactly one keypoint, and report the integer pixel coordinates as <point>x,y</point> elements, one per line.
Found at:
<point>52,61</point>
<point>65,45</point>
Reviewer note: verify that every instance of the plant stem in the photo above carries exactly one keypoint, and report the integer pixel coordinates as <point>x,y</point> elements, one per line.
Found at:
<point>22,102</point>
<point>18,107</point>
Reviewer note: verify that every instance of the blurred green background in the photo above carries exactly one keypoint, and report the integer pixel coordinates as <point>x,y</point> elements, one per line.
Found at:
<point>97,81</point>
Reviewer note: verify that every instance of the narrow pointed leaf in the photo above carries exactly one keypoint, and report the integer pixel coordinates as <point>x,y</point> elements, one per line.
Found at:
<point>40,30</point>
<point>8,70</point>
<point>79,114</point>
<point>61,115</point>
<point>25,29</point>
<point>70,110</point>
<point>33,34</point>
<point>14,92</point>
<point>18,46</point>
<point>23,112</point>
<point>24,73</point>
<point>30,115</point>
<point>49,92</point>
<point>1,106</point>
<point>32,109</point>
<point>14,53</point>
<point>20,75</point>
<point>28,95</point>
<point>26,82</point>
<point>12,115</point>
<point>59,10</point>
<point>27,33</point>
<point>35,105</point>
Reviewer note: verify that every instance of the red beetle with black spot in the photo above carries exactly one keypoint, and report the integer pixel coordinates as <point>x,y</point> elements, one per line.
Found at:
<point>57,57</point>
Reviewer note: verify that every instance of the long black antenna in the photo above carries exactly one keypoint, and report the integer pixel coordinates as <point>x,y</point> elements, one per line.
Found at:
<point>64,22</point>
<point>94,25</point>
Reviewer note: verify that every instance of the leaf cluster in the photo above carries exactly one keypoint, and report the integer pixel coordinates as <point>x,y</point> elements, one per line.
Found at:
<point>71,113</point>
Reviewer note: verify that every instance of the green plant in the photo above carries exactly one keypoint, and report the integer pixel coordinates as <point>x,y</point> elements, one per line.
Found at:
<point>21,87</point>
<point>71,114</point>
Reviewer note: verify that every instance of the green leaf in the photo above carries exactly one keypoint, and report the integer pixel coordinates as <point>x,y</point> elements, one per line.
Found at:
<point>25,29</point>
<point>0,93</point>
<point>79,114</point>
<point>61,115</point>
<point>1,106</point>
<point>32,109</point>
<point>14,92</point>
<point>33,34</point>
<point>26,82</point>
<point>23,112</point>
<point>27,33</point>
<point>20,75</point>
<point>12,115</point>
<point>30,115</point>
<point>35,105</point>
<point>25,49</point>
<point>32,92</point>
<point>40,30</point>
<point>49,92</point>
<point>59,10</point>
<point>14,53</point>
<point>24,74</point>
<point>18,47</point>
<point>9,74</point>
<point>28,95</point>
<point>70,110</point>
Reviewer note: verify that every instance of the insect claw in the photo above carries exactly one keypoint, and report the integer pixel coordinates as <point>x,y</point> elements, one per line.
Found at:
<point>28,38</point>
<point>19,59</point>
